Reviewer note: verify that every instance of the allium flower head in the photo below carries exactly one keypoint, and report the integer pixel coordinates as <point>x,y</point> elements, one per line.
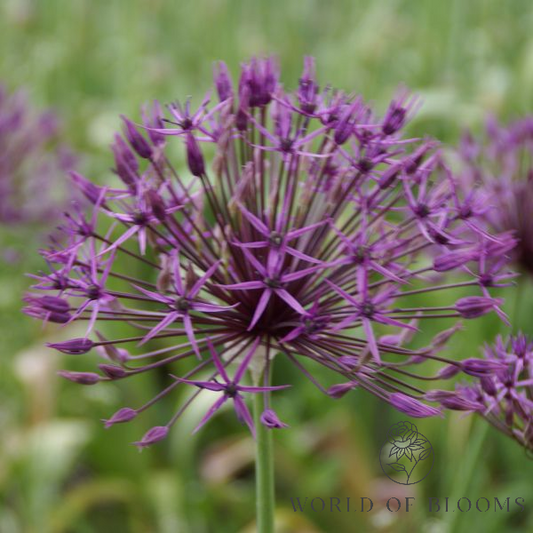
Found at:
<point>504,397</point>
<point>302,237</point>
<point>497,177</point>
<point>33,185</point>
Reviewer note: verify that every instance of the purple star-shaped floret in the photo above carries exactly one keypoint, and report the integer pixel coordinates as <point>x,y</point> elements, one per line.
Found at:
<point>183,303</point>
<point>231,388</point>
<point>368,309</point>
<point>273,283</point>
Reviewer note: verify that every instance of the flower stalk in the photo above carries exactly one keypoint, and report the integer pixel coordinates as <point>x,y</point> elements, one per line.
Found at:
<point>264,471</point>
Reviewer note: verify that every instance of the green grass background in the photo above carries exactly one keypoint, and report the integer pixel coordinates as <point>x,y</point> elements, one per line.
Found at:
<point>60,472</point>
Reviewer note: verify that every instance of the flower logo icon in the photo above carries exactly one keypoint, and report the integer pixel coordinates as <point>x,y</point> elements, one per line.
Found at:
<point>407,455</point>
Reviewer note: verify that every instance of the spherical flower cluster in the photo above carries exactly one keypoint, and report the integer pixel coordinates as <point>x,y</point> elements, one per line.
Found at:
<point>497,175</point>
<point>33,185</point>
<point>505,396</point>
<point>313,222</point>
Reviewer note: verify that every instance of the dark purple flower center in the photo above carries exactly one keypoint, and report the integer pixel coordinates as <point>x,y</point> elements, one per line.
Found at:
<point>364,136</point>
<point>60,284</point>
<point>312,325</point>
<point>421,210</point>
<point>140,219</point>
<point>438,236</point>
<point>368,309</point>
<point>466,211</point>
<point>186,123</point>
<point>486,280</point>
<point>231,390</point>
<point>365,165</point>
<point>360,254</point>
<point>286,145</point>
<point>182,304</point>
<point>275,239</point>
<point>94,292</point>
<point>273,283</point>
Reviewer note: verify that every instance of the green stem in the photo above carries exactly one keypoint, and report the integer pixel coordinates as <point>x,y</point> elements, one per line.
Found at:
<point>264,470</point>
<point>468,467</point>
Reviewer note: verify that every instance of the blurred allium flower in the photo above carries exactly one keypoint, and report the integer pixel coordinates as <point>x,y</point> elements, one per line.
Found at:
<point>33,162</point>
<point>497,177</point>
<point>505,397</point>
<point>301,238</point>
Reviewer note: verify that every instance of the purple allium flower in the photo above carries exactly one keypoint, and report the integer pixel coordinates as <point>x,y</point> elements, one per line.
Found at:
<point>299,236</point>
<point>34,188</point>
<point>504,396</point>
<point>496,177</point>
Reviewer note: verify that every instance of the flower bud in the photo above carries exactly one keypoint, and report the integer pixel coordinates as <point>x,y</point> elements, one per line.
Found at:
<point>157,204</point>
<point>152,436</point>
<point>223,81</point>
<point>502,246</point>
<point>83,378</point>
<point>452,400</point>
<point>110,351</point>
<point>152,121</point>
<point>475,306</point>
<point>49,316</point>
<point>137,141</point>
<point>394,119</point>
<point>413,161</point>
<point>411,406</point>
<point>488,385</point>
<point>122,415</point>
<point>270,419</point>
<point>73,346</point>
<point>126,163</point>
<point>49,303</point>
<point>112,371</point>
<point>481,367</point>
<point>449,371</point>
<point>338,391</point>
<point>346,123</point>
<point>91,191</point>
<point>441,338</point>
<point>195,159</point>
<point>241,120</point>
<point>260,76</point>
<point>389,176</point>
<point>452,260</point>
<point>307,87</point>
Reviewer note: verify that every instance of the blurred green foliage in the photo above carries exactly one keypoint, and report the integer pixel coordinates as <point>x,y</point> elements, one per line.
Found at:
<point>60,472</point>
